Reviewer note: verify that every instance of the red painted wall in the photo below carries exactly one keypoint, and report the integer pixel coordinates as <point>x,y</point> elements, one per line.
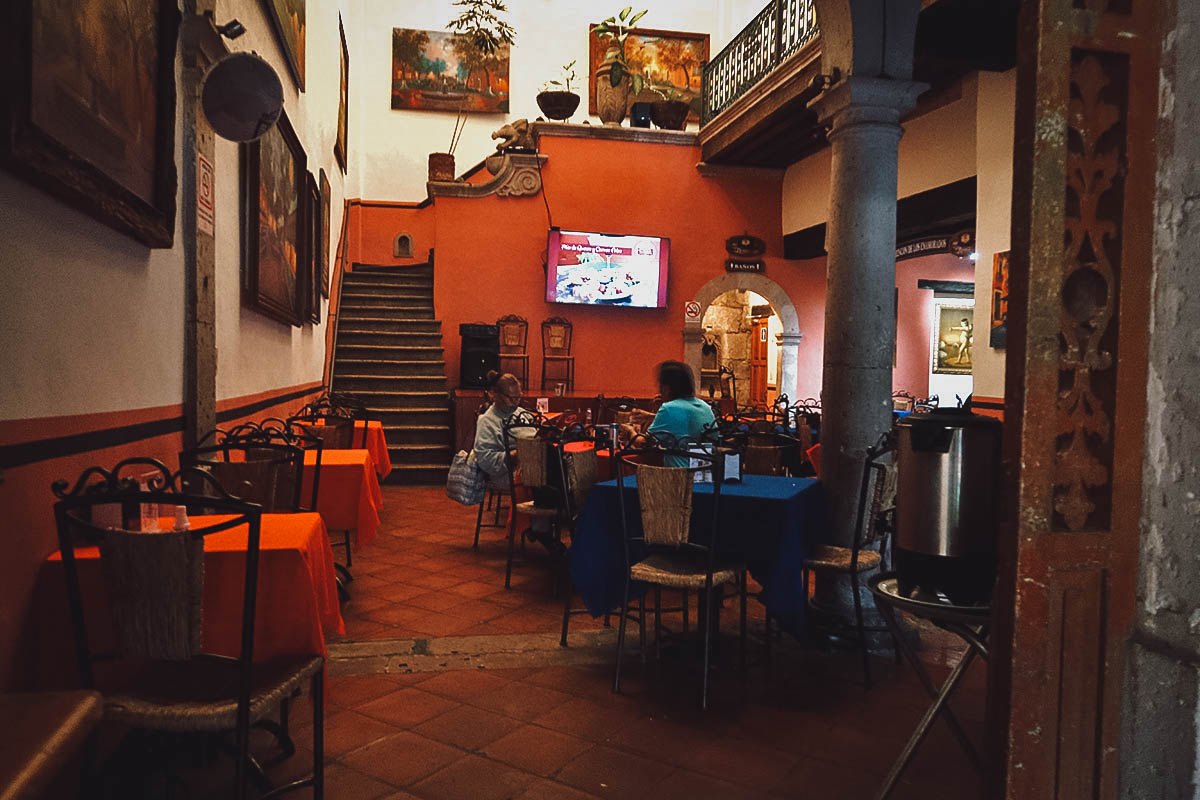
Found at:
<point>372,229</point>
<point>490,254</point>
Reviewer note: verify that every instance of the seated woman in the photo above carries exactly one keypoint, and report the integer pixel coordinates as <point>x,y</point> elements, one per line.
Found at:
<point>490,451</point>
<point>682,415</point>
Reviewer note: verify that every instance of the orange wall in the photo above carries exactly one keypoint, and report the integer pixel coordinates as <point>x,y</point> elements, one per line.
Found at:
<point>26,503</point>
<point>373,227</point>
<point>490,254</point>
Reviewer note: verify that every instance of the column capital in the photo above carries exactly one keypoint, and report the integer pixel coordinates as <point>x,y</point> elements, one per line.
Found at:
<point>861,99</point>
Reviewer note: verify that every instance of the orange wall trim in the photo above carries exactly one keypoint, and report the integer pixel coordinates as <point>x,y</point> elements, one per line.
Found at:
<point>988,406</point>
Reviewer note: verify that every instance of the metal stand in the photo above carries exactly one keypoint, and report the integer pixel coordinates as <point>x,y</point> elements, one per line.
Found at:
<point>970,623</point>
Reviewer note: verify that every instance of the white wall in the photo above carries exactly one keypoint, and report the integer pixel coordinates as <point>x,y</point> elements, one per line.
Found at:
<point>994,148</point>
<point>937,148</point>
<point>392,147</point>
<point>255,353</point>
<point>92,321</point>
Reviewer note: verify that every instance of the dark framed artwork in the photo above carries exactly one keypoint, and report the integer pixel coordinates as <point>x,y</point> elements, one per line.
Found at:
<point>288,20</point>
<point>343,120</point>
<point>671,61</point>
<point>276,242</point>
<point>999,333</point>
<point>312,271</point>
<point>87,108</point>
<point>324,251</point>
<point>441,71</point>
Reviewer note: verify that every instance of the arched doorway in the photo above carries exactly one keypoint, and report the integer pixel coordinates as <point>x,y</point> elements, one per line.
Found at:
<point>740,354</point>
<point>781,304</point>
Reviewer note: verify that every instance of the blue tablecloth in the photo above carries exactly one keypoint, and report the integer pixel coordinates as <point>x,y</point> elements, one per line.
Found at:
<point>768,522</point>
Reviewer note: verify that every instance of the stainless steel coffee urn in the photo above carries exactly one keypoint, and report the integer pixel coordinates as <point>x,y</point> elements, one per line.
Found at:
<point>948,463</point>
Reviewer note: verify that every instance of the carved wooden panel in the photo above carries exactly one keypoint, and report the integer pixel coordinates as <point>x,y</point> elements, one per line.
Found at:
<point>1083,200</point>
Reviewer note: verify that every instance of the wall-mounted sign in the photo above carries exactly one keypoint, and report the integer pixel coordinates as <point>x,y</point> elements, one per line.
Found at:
<point>745,246</point>
<point>961,244</point>
<point>736,265</point>
<point>691,311</point>
<point>205,195</point>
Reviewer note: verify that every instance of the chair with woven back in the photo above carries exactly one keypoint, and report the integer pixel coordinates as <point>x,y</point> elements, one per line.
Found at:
<point>576,447</point>
<point>528,441</point>
<point>666,552</point>
<point>254,468</point>
<point>556,351</point>
<point>874,524</point>
<point>158,676</point>
<point>514,337</point>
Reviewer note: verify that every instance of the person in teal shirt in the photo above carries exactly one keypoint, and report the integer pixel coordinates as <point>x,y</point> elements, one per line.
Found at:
<point>682,415</point>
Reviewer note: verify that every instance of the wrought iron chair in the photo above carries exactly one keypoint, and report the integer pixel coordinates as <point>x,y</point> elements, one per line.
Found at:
<point>874,524</point>
<point>161,679</point>
<point>527,444</point>
<point>557,333</point>
<point>514,336</point>
<point>258,469</point>
<point>664,553</point>
<point>580,471</point>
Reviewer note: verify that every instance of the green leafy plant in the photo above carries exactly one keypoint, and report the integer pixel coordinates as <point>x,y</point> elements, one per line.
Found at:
<point>568,75</point>
<point>619,27</point>
<point>481,23</point>
<point>669,93</point>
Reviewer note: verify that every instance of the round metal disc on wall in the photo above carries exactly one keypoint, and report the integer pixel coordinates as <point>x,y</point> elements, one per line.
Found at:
<point>242,97</point>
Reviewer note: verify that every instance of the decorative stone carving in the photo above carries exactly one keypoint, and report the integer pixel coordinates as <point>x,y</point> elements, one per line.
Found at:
<point>516,175</point>
<point>516,135</point>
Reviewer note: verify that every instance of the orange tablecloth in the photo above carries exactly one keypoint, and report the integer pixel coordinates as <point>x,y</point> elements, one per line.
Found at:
<point>376,445</point>
<point>349,497</point>
<point>297,593</point>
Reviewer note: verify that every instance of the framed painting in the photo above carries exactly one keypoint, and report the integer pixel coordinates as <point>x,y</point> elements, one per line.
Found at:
<point>953,336</point>
<point>312,271</point>
<point>324,251</point>
<point>288,21</point>
<point>343,120</point>
<point>87,108</point>
<point>441,71</point>
<point>999,333</point>
<point>670,61</point>
<point>276,242</point>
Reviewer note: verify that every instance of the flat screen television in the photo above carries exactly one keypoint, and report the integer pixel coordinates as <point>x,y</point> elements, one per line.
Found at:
<point>606,269</point>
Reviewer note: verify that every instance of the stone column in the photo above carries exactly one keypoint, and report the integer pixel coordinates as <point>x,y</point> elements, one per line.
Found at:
<point>860,315</point>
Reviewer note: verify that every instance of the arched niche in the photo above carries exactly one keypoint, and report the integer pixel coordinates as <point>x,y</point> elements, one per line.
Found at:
<point>402,246</point>
<point>693,330</point>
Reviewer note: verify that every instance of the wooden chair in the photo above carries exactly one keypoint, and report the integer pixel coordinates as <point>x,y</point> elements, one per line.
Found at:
<point>665,553</point>
<point>514,334</point>
<point>527,444</point>
<point>161,678</point>
<point>556,350</point>
<point>874,523</point>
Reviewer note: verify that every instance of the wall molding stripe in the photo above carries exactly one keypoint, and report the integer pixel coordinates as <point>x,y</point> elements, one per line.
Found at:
<point>52,447</point>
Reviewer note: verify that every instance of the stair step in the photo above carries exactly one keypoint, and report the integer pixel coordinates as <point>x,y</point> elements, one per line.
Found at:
<point>411,416</point>
<point>388,281</point>
<point>363,268</point>
<point>399,368</point>
<point>390,338</point>
<point>393,312</point>
<point>429,355</point>
<point>404,435</point>
<point>377,378</point>
<point>401,296</point>
<point>397,400</point>
<point>418,473</point>
<point>377,383</point>
<point>356,324</point>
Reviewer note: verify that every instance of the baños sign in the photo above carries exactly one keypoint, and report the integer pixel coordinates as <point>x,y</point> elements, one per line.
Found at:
<point>745,252</point>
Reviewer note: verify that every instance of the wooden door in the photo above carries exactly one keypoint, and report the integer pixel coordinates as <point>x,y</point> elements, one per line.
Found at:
<point>1083,199</point>
<point>758,363</point>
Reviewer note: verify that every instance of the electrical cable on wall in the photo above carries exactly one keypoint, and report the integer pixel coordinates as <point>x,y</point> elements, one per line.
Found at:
<point>542,181</point>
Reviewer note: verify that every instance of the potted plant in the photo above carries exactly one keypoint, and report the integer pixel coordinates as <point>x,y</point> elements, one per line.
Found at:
<point>556,100</point>
<point>480,27</point>
<point>671,112</point>
<point>614,80</point>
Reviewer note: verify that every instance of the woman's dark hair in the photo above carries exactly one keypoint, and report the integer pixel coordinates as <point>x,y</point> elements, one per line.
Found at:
<point>676,379</point>
<point>489,380</point>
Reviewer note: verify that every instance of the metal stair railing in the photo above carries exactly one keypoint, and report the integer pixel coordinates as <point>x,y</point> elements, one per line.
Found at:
<point>775,33</point>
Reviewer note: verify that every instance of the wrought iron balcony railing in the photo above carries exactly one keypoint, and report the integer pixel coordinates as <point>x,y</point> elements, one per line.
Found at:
<point>779,30</point>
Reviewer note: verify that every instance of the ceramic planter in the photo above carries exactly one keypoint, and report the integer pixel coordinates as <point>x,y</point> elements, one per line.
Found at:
<point>670,114</point>
<point>612,101</point>
<point>441,166</point>
<point>558,105</point>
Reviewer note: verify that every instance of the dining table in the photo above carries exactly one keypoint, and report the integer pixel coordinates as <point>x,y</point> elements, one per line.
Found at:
<point>349,496</point>
<point>768,522</point>
<point>375,443</point>
<point>297,605</point>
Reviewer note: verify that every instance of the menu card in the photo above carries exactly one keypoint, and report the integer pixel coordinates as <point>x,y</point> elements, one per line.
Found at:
<point>543,405</point>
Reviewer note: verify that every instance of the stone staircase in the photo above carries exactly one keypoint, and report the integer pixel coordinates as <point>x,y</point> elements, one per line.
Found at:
<point>389,353</point>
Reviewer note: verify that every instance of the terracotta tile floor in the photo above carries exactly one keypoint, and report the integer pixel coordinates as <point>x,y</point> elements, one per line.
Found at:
<point>805,728</point>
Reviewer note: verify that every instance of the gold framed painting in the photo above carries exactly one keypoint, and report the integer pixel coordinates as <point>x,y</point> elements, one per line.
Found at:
<point>288,20</point>
<point>953,336</point>
<point>670,61</point>
<point>441,71</point>
<point>87,108</point>
<point>999,333</point>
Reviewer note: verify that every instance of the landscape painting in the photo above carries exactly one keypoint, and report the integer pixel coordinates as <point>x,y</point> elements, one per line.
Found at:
<point>277,242</point>
<point>440,71</point>
<point>95,123</point>
<point>670,61</point>
<point>288,20</point>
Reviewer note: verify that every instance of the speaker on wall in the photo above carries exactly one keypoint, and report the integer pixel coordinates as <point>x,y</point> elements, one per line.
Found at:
<point>480,353</point>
